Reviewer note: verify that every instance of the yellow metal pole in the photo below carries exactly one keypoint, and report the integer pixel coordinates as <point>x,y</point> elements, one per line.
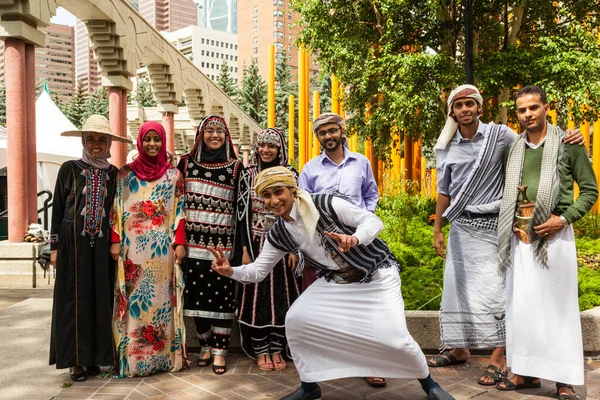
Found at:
<point>596,157</point>
<point>301,115</point>
<point>417,144</point>
<point>271,88</point>
<point>434,183</point>
<point>335,93</point>
<point>309,135</point>
<point>291,128</point>
<point>423,176</point>
<point>316,147</point>
<point>553,116</point>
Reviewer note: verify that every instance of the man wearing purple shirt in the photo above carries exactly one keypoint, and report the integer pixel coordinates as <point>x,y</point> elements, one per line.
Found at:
<point>342,172</point>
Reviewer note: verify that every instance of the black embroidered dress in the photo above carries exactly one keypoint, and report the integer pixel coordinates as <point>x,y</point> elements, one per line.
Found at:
<point>83,291</point>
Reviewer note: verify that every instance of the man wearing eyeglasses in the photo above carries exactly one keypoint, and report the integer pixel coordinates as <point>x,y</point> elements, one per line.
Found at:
<point>341,172</point>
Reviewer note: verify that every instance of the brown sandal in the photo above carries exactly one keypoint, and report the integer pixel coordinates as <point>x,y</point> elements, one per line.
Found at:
<point>492,372</point>
<point>380,382</point>
<point>445,360</point>
<point>264,365</point>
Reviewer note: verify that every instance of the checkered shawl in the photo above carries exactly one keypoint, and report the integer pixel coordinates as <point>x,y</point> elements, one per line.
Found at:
<point>546,199</point>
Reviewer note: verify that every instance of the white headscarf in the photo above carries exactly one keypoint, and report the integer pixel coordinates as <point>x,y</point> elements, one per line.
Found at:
<point>461,92</point>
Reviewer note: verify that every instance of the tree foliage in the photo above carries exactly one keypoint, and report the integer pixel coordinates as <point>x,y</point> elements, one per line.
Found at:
<point>97,103</point>
<point>143,96</point>
<point>284,86</point>
<point>225,82</point>
<point>3,105</point>
<point>401,56</point>
<point>75,109</point>
<point>253,94</point>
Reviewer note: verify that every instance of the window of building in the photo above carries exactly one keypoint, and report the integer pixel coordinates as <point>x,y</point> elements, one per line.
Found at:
<point>212,42</point>
<point>202,63</point>
<point>289,15</point>
<point>289,58</point>
<point>278,45</point>
<point>255,19</point>
<point>255,40</point>
<point>236,71</point>
<point>278,3</point>
<point>212,53</point>
<point>202,52</point>
<point>289,48</point>
<point>278,14</point>
<point>277,35</point>
<point>255,50</point>
<point>255,30</point>
<point>255,9</point>
<point>289,26</point>
<point>236,49</point>
<point>290,37</point>
<point>202,41</point>
<point>277,24</point>
<point>230,69</point>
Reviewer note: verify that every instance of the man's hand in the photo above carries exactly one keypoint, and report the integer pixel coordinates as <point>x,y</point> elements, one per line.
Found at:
<point>53,257</point>
<point>220,264</point>
<point>574,137</point>
<point>439,244</point>
<point>344,242</point>
<point>179,253</point>
<point>293,261</point>
<point>115,251</point>
<point>549,228</point>
<point>246,259</point>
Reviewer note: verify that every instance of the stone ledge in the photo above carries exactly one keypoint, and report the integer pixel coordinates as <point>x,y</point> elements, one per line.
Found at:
<point>19,251</point>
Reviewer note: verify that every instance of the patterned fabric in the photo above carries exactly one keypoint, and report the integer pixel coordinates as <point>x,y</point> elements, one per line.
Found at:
<point>480,173</point>
<point>547,195</point>
<point>148,317</point>
<point>365,259</point>
<point>95,193</point>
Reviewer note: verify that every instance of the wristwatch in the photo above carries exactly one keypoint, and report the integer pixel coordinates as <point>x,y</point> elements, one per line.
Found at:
<point>564,221</point>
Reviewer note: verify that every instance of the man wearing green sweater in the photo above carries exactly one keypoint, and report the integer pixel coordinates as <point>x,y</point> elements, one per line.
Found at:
<point>537,250</point>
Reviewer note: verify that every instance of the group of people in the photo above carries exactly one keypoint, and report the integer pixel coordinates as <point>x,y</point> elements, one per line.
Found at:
<point>138,249</point>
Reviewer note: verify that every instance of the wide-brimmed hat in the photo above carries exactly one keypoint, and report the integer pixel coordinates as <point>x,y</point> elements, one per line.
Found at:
<point>99,124</point>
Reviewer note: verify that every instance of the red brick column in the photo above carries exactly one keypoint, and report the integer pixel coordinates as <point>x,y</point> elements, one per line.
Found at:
<point>168,122</point>
<point>31,134</point>
<point>16,124</point>
<point>246,157</point>
<point>118,150</point>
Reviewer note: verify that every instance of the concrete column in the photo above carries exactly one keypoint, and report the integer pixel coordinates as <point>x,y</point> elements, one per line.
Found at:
<point>168,122</point>
<point>31,134</point>
<point>115,115</point>
<point>16,124</point>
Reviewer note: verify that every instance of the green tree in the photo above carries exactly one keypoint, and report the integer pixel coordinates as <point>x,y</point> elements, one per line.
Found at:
<point>76,108</point>
<point>284,86</point>
<point>401,57</point>
<point>253,94</point>
<point>324,88</point>
<point>97,103</point>
<point>225,82</point>
<point>143,96</point>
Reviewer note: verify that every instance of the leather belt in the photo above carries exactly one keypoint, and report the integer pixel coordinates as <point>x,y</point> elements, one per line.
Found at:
<point>472,215</point>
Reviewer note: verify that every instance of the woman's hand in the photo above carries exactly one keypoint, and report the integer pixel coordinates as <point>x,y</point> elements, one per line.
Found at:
<point>115,251</point>
<point>293,261</point>
<point>179,253</point>
<point>53,254</point>
<point>221,265</point>
<point>246,259</point>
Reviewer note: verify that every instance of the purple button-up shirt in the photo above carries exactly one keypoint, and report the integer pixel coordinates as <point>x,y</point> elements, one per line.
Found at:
<point>353,177</point>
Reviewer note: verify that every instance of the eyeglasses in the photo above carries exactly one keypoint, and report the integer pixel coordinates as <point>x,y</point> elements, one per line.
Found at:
<point>219,131</point>
<point>331,132</point>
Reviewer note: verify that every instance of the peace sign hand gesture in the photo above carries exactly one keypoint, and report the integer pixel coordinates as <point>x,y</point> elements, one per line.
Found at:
<point>220,264</point>
<point>344,242</point>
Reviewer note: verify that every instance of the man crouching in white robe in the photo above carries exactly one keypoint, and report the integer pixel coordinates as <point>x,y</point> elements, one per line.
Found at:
<point>351,321</point>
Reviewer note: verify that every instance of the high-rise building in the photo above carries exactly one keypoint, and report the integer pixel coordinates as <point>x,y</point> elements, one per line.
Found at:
<point>265,22</point>
<point>86,67</point>
<point>54,63</point>
<point>220,15</point>
<point>169,15</point>
<point>207,49</point>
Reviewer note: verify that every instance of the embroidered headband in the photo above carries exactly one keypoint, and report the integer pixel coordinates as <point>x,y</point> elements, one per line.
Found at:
<point>268,136</point>
<point>328,118</point>
<point>461,92</point>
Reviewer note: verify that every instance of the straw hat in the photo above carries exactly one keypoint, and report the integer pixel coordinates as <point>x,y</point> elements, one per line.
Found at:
<point>96,123</point>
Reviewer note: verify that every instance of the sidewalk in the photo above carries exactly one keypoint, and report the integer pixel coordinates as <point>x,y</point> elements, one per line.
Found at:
<point>25,328</point>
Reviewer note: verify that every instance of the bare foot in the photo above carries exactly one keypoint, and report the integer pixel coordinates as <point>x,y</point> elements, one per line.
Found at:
<point>278,362</point>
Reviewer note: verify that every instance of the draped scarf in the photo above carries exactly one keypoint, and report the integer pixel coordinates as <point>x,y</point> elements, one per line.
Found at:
<point>201,154</point>
<point>547,196</point>
<point>145,167</point>
<point>100,162</point>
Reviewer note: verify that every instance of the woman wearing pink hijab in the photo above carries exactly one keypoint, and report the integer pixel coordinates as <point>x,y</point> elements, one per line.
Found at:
<point>148,242</point>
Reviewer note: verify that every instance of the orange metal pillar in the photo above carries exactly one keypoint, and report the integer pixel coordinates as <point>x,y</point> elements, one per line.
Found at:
<point>416,161</point>
<point>316,146</point>
<point>168,122</point>
<point>596,158</point>
<point>301,111</point>
<point>408,160</point>
<point>16,126</point>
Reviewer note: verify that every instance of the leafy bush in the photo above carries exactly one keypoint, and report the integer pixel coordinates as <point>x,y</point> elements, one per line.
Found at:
<point>408,222</point>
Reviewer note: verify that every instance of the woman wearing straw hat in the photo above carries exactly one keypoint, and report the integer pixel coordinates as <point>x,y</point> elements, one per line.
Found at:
<point>81,337</point>
<point>148,242</point>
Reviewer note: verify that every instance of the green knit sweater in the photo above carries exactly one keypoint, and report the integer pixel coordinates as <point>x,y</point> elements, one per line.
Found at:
<point>575,167</point>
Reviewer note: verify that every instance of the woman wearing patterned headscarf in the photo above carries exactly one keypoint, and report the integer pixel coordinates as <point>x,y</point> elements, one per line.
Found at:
<point>148,242</point>
<point>211,172</point>
<point>81,317</point>
<point>263,305</point>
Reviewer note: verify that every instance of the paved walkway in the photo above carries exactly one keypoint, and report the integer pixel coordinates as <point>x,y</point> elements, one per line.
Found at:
<point>25,374</point>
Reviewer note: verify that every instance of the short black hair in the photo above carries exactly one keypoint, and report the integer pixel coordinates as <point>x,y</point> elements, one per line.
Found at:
<point>532,89</point>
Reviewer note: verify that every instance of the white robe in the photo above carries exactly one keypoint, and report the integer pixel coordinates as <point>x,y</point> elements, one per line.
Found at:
<point>344,330</point>
<point>543,326</point>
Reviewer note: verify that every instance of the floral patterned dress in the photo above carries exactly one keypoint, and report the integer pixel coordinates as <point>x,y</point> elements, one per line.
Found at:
<point>148,323</point>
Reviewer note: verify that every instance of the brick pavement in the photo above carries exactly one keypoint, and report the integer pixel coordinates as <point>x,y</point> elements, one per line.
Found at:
<point>244,381</point>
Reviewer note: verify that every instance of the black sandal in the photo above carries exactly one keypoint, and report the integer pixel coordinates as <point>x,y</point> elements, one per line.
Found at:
<point>78,376</point>
<point>493,372</point>
<point>566,396</point>
<point>219,369</point>
<point>445,359</point>
<point>377,384</point>
<point>528,383</point>
<point>205,362</point>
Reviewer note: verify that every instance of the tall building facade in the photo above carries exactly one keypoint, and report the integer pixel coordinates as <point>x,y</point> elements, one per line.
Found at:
<point>169,15</point>
<point>207,49</point>
<point>265,22</point>
<point>86,67</point>
<point>220,15</point>
<point>55,62</point>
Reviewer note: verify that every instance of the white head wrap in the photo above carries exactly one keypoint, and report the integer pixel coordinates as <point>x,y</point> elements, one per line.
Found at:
<point>461,92</point>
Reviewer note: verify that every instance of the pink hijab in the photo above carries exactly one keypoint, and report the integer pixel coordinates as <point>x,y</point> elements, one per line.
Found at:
<point>147,168</point>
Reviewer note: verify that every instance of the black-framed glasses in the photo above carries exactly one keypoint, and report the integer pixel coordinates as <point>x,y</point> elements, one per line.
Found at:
<point>331,132</point>
<point>218,131</point>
